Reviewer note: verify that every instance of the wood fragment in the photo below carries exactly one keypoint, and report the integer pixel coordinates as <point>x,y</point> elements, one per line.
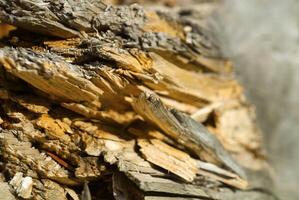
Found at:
<point>59,160</point>
<point>22,185</point>
<point>22,155</point>
<point>49,20</point>
<point>184,130</point>
<point>224,176</point>
<point>169,158</point>
<point>86,192</point>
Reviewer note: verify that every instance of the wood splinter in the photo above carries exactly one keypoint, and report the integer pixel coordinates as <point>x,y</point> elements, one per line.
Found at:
<point>185,131</point>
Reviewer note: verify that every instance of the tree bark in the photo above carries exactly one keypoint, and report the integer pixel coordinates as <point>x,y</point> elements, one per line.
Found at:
<point>136,100</point>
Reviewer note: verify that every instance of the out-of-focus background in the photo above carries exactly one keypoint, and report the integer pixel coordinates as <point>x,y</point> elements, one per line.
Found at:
<point>262,39</point>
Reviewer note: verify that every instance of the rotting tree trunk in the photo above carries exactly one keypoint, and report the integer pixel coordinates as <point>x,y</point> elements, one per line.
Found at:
<point>137,101</point>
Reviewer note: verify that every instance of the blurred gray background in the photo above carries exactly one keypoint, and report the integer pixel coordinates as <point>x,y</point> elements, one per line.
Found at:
<point>262,39</point>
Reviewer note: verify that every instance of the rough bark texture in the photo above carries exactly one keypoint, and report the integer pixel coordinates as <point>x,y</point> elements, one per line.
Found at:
<point>135,100</point>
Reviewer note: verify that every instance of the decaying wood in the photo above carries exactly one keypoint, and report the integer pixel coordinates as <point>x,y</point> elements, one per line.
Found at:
<point>159,188</point>
<point>22,185</point>
<point>5,191</point>
<point>138,99</point>
<point>185,130</point>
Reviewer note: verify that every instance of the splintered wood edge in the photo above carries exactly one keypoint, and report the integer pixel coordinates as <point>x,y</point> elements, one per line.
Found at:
<point>169,158</point>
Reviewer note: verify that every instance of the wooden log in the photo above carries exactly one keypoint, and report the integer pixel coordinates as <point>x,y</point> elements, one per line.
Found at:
<point>73,75</point>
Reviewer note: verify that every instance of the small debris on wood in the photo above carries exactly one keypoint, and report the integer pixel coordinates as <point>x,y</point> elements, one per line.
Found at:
<point>22,185</point>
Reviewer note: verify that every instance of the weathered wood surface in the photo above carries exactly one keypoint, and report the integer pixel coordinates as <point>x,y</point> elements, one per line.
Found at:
<point>158,189</point>
<point>74,83</point>
<point>185,130</point>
